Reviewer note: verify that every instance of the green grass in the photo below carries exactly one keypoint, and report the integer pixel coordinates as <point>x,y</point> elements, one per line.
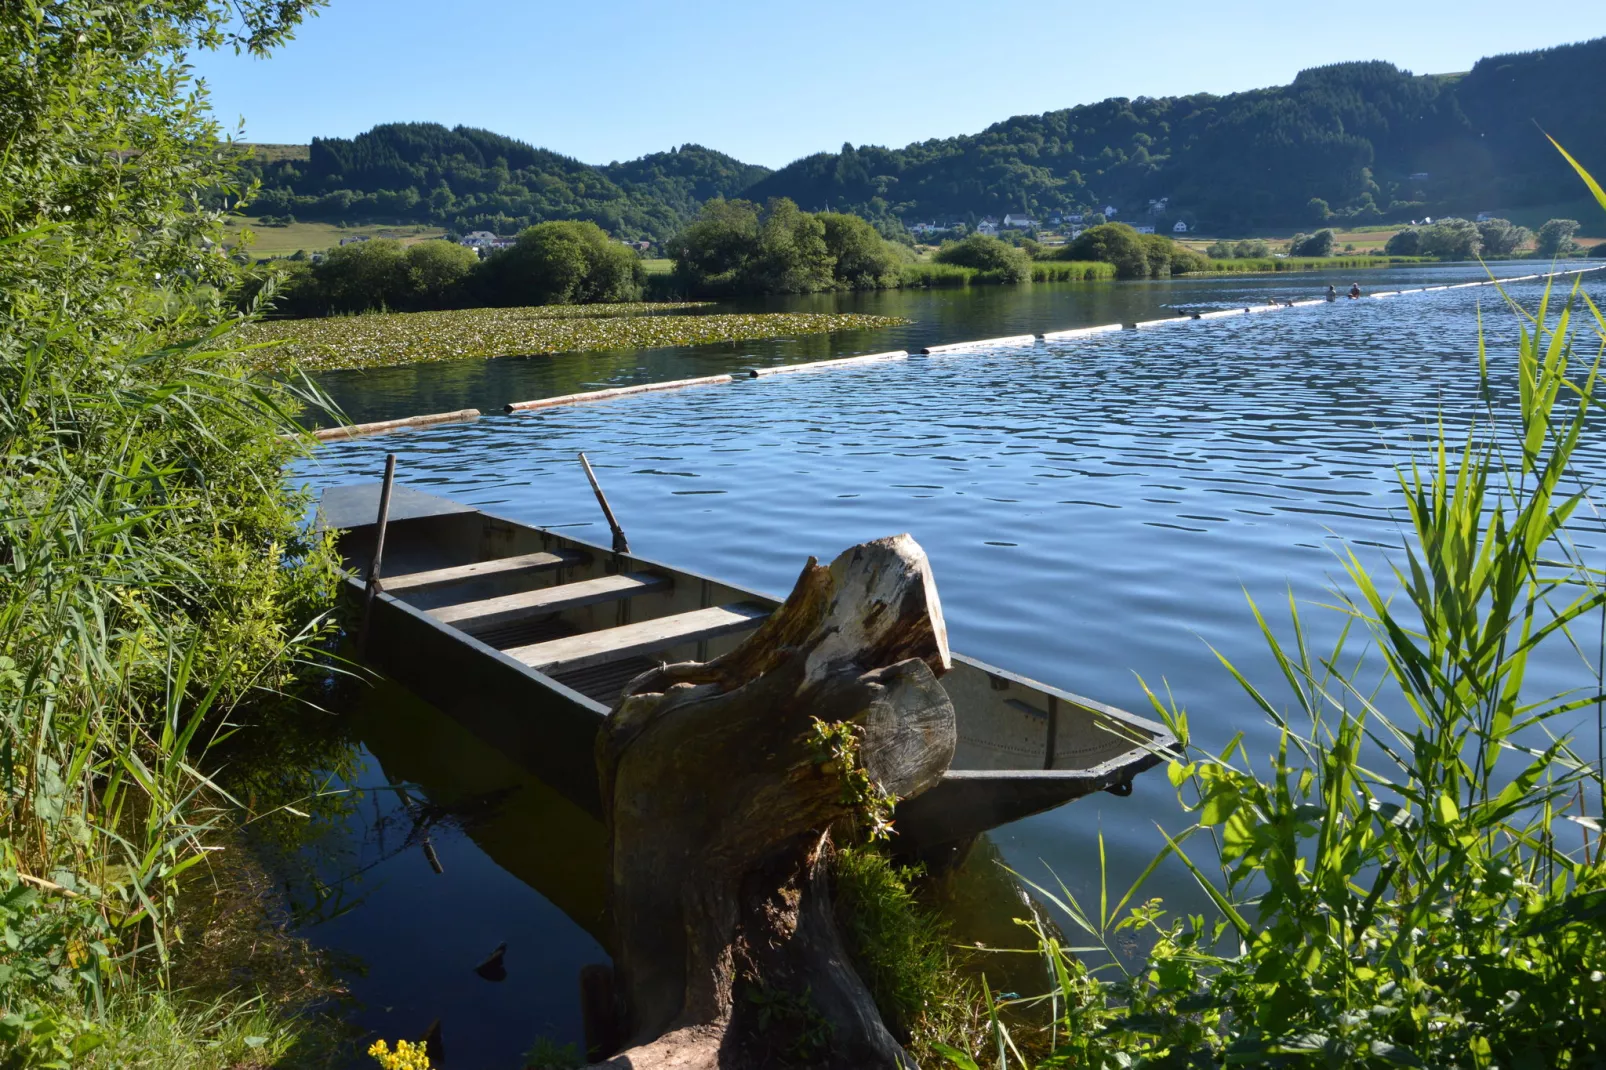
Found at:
<point>658,266</point>
<point>386,339</point>
<point>316,237</point>
<point>1302,263</point>
<point>1071,270</point>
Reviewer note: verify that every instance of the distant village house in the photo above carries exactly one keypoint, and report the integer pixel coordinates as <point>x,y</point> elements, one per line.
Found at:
<point>1019,222</point>
<point>1180,228</point>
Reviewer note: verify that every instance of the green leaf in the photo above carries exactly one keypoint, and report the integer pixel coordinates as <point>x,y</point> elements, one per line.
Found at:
<point>1577,909</point>
<point>1589,180</point>
<point>954,1056</point>
<point>1220,804</point>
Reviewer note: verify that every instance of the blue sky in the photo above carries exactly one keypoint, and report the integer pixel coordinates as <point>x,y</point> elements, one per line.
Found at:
<point>768,83</point>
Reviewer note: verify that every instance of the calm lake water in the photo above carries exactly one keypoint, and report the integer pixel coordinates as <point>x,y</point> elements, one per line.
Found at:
<point>1095,512</point>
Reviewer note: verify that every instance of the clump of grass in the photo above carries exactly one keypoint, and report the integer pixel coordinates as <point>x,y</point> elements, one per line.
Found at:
<point>1071,270</point>
<point>901,949</point>
<point>927,274</point>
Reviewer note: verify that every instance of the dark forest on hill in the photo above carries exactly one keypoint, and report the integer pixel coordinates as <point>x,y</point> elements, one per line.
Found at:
<point>1353,142</point>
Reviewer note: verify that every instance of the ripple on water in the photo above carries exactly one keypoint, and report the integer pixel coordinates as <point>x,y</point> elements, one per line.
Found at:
<point>1095,509</point>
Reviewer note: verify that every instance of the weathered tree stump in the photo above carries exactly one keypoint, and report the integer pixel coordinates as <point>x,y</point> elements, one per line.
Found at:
<point>721,782</point>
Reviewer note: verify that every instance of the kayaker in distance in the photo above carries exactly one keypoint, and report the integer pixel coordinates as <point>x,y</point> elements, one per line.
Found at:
<point>1355,290</point>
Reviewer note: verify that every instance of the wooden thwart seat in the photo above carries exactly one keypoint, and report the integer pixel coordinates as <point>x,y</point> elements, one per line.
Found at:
<point>612,644</point>
<point>501,566</point>
<point>508,608</point>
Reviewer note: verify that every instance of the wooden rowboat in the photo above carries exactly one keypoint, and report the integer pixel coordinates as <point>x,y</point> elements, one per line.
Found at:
<point>527,635</point>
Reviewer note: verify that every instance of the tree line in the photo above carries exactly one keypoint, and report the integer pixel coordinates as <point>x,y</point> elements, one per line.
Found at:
<point>1463,239</point>
<point>563,262</point>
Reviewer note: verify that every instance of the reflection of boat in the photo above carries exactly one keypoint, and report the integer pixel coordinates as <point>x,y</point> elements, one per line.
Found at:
<point>551,845</point>
<point>527,635</point>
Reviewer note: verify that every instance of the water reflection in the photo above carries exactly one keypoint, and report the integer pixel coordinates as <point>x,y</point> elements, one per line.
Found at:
<point>441,852</point>
<point>450,887</point>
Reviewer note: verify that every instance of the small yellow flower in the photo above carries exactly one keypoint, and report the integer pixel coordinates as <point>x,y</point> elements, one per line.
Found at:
<point>407,1056</point>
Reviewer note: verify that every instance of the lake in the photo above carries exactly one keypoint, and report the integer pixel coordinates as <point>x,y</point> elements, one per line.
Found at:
<point>1095,512</point>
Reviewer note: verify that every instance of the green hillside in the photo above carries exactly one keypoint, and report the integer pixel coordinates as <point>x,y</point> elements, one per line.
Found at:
<point>467,179</point>
<point>1371,141</point>
<point>1353,143</point>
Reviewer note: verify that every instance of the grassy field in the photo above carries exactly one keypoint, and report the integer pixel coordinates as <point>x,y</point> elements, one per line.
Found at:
<point>316,237</point>
<point>273,153</point>
<point>387,339</point>
<point>661,266</point>
<point>1366,240</point>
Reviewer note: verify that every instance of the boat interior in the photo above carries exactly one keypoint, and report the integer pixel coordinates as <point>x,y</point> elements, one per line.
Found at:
<point>591,620</point>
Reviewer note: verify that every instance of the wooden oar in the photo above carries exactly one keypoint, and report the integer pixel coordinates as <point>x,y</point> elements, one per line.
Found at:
<point>621,545</point>
<point>377,563</point>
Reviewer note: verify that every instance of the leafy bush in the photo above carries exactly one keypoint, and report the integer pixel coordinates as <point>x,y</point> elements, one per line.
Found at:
<point>1451,239</point>
<point>562,263</point>
<point>1113,243</point>
<point>1407,242</point>
<point>1555,238</point>
<point>1252,249</point>
<point>983,252</point>
<point>1501,237</point>
<point>1318,244</point>
<point>861,258</point>
<point>733,247</point>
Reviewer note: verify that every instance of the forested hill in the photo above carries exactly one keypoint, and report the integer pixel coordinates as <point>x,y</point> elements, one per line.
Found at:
<point>1352,142</point>
<point>1356,136</point>
<point>469,179</point>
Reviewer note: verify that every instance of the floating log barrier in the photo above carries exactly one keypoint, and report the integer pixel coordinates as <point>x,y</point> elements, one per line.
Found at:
<point>1008,340</point>
<point>1143,325</point>
<point>379,427</point>
<point>824,365</point>
<point>728,895</point>
<point>1222,314</point>
<point>615,392</point>
<point>1079,332</point>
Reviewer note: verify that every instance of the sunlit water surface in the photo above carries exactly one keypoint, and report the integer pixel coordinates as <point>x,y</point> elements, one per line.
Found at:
<point>1095,511</point>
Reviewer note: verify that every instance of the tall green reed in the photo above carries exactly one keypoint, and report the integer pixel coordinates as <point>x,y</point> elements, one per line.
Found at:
<point>155,583</point>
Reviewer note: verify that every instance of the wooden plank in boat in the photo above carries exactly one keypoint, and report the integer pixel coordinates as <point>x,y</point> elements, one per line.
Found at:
<point>500,566</point>
<point>611,644</point>
<point>508,608</point>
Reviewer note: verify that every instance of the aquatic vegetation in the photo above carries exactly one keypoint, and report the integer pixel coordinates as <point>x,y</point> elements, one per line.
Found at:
<point>377,341</point>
